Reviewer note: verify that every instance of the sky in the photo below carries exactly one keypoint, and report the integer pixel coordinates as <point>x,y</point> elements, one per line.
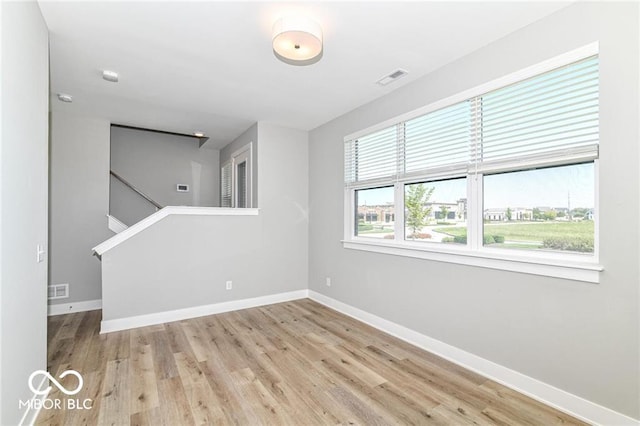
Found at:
<point>549,187</point>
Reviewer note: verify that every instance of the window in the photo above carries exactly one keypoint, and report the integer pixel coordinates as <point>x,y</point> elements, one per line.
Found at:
<point>225,186</point>
<point>375,213</point>
<point>436,212</point>
<point>507,174</point>
<point>235,179</point>
<point>241,184</point>
<point>549,209</point>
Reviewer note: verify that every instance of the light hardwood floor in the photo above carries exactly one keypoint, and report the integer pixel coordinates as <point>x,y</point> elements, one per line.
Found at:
<point>296,363</point>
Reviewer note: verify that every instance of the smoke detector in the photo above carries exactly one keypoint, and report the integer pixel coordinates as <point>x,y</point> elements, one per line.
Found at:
<point>111,76</point>
<point>390,78</point>
<point>65,98</point>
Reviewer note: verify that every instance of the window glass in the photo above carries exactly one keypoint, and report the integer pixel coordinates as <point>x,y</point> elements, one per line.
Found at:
<point>436,211</point>
<point>544,209</point>
<point>242,184</point>
<point>375,213</point>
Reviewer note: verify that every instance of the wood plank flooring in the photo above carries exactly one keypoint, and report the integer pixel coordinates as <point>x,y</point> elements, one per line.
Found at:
<point>296,363</point>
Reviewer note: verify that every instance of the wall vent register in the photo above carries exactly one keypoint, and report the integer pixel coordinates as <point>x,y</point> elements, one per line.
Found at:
<point>58,291</point>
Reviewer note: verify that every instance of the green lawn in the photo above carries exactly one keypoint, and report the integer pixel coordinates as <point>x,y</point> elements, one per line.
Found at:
<point>366,228</point>
<point>531,234</point>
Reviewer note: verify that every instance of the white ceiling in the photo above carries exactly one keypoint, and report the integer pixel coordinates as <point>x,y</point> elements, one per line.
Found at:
<point>209,66</point>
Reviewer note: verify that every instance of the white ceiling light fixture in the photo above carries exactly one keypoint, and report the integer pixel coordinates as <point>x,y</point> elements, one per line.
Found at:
<point>111,76</point>
<point>297,40</point>
<point>198,134</point>
<point>63,97</point>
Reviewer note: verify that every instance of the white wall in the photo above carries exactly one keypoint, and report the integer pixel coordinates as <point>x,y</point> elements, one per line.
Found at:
<point>184,261</point>
<point>154,163</point>
<point>582,338</point>
<point>23,196</point>
<point>79,191</point>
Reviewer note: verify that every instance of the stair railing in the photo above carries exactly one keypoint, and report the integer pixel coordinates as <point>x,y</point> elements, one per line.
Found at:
<point>136,190</point>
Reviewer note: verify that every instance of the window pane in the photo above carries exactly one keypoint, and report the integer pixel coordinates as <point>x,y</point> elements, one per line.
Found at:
<point>375,213</point>
<point>436,211</point>
<point>543,209</point>
<point>242,184</point>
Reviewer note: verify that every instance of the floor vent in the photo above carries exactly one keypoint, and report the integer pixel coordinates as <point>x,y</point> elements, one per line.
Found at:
<point>58,291</point>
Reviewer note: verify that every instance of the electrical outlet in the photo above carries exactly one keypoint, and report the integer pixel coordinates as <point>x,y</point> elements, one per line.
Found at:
<point>328,282</point>
<point>229,285</point>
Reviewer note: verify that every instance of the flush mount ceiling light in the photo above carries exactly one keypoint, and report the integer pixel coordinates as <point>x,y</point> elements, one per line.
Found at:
<point>65,98</point>
<point>198,134</point>
<point>297,40</point>
<point>111,76</point>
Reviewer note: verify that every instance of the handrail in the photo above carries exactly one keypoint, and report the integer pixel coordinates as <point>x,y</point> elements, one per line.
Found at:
<point>161,214</point>
<point>142,194</point>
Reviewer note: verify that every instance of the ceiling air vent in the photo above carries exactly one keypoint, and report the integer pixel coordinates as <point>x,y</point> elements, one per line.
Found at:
<point>389,78</point>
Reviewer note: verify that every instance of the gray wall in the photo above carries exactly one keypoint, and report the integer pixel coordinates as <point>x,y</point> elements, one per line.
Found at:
<point>184,261</point>
<point>23,197</point>
<point>582,338</point>
<point>154,163</point>
<point>250,135</point>
<point>79,191</point>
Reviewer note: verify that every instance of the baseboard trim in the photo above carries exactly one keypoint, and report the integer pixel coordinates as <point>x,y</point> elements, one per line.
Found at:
<point>69,308</point>
<point>564,401</point>
<point>31,414</point>
<point>119,324</point>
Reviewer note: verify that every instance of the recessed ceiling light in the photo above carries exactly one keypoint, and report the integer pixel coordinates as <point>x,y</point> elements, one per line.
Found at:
<point>64,97</point>
<point>111,76</point>
<point>297,40</point>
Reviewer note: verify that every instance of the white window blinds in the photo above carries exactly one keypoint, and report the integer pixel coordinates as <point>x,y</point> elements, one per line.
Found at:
<point>372,157</point>
<point>225,186</point>
<point>438,140</point>
<point>551,118</point>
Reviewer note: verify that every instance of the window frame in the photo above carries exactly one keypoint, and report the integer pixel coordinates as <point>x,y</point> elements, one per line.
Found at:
<point>573,266</point>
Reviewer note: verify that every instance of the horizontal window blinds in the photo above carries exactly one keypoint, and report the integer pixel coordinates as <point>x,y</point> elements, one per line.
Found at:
<point>225,184</point>
<point>549,118</point>
<point>439,140</point>
<point>372,157</point>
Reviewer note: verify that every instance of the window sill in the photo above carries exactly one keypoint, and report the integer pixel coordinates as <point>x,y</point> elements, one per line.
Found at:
<point>567,267</point>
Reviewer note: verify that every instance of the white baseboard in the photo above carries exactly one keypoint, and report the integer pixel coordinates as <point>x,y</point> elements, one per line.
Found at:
<point>31,414</point>
<point>198,311</point>
<point>543,392</point>
<point>69,308</point>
